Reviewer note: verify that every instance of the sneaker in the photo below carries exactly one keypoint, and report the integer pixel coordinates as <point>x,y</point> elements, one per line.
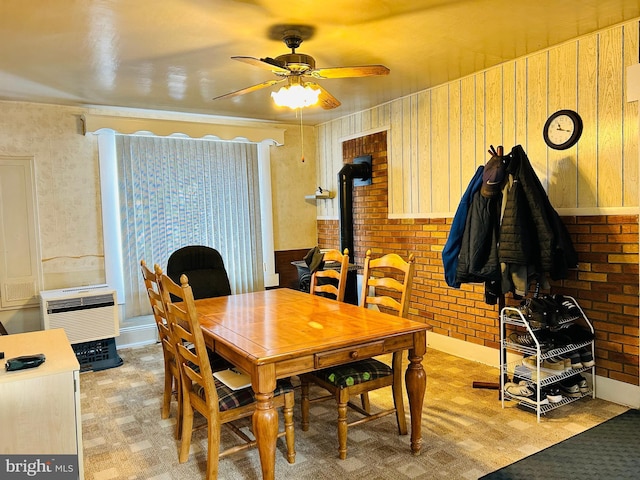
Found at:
<point>586,357</point>
<point>583,386</point>
<point>555,363</point>
<point>569,387</point>
<point>534,311</point>
<point>576,361</point>
<point>554,314</point>
<point>553,394</point>
<point>568,309</point>
<point>575,333</point>
<point>524,339</point>
<point>528,340</point>
<point>522,392</point>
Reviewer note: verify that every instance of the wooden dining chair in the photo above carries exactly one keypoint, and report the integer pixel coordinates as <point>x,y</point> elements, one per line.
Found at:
<point>386,285</point>
<point>330,281</point>
<point>172,383</point>
<point>202,392</point>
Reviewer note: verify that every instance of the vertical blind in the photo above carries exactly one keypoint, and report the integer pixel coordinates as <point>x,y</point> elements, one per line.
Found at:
<point>181,191</point>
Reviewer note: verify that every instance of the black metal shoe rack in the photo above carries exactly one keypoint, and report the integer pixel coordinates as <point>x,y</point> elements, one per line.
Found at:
<point>513,320</point>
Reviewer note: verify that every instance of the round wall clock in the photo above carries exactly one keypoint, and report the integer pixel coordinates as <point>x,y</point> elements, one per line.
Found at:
<point>562,129</point>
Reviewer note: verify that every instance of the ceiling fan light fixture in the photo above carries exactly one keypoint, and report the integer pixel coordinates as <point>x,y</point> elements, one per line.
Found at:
<point>296,96</point>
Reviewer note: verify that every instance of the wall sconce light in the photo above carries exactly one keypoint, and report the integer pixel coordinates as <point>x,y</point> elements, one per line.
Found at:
<point>295,95</point>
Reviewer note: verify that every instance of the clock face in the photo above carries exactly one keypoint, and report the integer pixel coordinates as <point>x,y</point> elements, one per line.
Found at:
<point>562,129</point>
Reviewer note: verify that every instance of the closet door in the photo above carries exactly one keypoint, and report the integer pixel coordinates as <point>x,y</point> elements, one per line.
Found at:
<point>18,240</point>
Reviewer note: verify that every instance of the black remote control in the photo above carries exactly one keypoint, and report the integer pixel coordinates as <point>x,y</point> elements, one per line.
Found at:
<point>25,361</point>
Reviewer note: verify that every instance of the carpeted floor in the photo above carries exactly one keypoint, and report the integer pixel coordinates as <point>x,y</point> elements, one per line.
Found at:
<point>466,432</point>
<point>606,451</point>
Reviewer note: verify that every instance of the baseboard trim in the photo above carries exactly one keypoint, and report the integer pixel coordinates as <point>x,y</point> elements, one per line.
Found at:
<point>137,336</point>
<point>606,388</point>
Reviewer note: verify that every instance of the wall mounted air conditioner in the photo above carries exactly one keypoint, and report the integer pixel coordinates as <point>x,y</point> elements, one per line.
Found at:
<point>86,313</point>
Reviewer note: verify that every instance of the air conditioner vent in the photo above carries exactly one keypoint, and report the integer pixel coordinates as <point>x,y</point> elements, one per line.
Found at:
<point>85,313</point>
<point>79,303</point>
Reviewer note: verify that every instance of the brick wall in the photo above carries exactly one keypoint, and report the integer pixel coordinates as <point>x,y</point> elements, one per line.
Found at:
<point>605,283</point>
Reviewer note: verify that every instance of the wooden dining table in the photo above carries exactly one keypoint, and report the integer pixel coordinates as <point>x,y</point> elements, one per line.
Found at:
<point>278,333</point>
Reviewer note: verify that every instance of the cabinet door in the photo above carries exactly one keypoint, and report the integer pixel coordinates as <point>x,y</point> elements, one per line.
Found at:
<point>18,241</point>
<point>38,415</point>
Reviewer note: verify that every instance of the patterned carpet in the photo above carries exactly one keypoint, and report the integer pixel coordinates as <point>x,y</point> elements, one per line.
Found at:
<point>466,432</point>
<point>608,450</point>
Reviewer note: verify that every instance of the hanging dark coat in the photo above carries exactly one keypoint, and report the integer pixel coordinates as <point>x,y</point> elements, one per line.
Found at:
<point>531,231</point>
<point>529,240</point>
<point>451,251</point>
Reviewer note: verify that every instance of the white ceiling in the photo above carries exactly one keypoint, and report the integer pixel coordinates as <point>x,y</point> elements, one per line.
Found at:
<point>175,54</point>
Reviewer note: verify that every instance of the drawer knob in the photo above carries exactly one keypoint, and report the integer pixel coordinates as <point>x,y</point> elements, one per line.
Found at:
<point>354,354</point>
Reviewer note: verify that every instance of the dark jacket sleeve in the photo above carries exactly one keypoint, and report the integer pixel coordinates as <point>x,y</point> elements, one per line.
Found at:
<point>454,241</point>
<point>478,259</point>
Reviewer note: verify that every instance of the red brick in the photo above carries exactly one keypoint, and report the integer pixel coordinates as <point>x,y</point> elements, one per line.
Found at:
<point>606,282</point>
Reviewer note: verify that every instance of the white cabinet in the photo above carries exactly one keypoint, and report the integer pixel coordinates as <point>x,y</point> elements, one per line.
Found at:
<point>538,351</point>
<point>40,407</point>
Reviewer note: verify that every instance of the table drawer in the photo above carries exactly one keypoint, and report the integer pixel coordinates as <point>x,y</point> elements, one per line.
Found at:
<point>349,354</point>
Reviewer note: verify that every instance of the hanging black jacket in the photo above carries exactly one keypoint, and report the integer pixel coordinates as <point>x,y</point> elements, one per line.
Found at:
<point>478,258</point>
<point>532,233</point>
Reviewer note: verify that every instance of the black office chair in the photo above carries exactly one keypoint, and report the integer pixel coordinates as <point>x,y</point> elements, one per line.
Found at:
<point>207,276</point>
<point>204,268</point>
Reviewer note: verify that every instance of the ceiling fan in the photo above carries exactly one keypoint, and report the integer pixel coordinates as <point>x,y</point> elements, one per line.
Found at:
<point>299,69</point>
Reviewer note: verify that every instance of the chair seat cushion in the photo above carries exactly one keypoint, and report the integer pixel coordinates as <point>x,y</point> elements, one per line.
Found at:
<point>354,373</point>
<point>229,398</point>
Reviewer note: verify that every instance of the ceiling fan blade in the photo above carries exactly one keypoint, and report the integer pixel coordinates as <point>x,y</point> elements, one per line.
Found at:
<point>266,63</point>
<point>253,88</point>
<point>346,72</point>
<point>325,99</point>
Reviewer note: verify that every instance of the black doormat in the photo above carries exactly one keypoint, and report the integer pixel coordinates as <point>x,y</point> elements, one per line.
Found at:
<point>606,451</point>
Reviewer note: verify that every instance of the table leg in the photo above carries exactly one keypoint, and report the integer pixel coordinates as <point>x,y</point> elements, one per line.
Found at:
<point>416,380</point>
<point>265,429</point>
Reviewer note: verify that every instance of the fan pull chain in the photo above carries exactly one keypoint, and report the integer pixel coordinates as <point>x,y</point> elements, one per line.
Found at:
<point>301,137</point>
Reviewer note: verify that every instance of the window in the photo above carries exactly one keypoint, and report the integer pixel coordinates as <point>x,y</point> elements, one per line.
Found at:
<point>181,191</point>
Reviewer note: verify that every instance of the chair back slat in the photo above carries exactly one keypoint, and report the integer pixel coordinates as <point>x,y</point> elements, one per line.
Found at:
<point>337,290</point>
<point>188,338</point>
<point>387,282</point>
<point>155,298</point>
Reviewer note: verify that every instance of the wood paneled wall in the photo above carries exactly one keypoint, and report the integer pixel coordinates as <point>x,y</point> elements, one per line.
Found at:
<point>438,137</point>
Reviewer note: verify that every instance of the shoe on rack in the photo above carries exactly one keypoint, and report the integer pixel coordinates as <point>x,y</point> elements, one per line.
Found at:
<point>583,386</point>
<point>535,312</point>
<point>586,357</point>
<point>553,394</point>
<point>524,339</point>
<point>522,392</point>
<point>568,309</point>
<point>527,340</point>
<point>558,363</point>
<point>569,387</point>
<point>559,338</point>
<point>553,309</point>
<point>574,333</point>
<point>576,361</point>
